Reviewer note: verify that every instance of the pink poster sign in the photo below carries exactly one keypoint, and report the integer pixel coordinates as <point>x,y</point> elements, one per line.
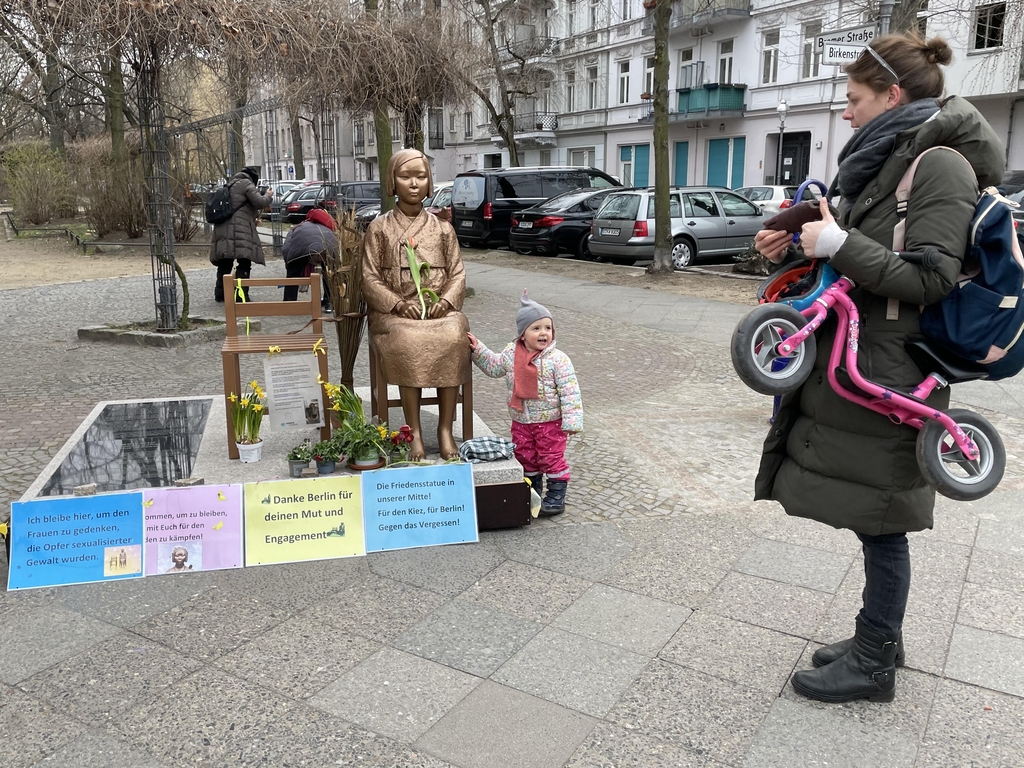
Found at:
<point>192,529</point>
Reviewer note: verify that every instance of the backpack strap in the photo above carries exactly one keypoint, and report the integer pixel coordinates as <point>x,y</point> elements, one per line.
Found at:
<point>903,197</point>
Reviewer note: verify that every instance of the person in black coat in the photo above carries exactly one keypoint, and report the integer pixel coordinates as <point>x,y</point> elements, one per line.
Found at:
<point>312,241</point>
<point>237,239</point>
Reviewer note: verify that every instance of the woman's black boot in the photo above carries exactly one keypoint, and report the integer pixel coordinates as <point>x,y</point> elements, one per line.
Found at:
<point>868,671</point>
<point>836,651</point>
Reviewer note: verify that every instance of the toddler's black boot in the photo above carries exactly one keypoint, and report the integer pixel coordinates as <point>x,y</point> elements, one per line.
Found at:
<point>836,651</point>
<point>868,671</point>
<point>554,499</point>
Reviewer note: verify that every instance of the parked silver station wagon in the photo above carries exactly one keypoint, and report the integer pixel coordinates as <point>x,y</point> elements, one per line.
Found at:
<point>706,221</point>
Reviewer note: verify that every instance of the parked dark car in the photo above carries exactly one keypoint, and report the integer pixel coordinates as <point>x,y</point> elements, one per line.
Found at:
<point>558,225</point>
<point>301,200</point>
<point>484,201</point>
<point>356,194</point>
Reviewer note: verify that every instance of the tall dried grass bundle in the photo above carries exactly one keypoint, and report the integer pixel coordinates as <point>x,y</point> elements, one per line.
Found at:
<point>342,275</point>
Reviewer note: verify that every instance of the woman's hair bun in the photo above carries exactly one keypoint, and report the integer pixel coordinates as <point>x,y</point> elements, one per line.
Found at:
<point>937,51</point>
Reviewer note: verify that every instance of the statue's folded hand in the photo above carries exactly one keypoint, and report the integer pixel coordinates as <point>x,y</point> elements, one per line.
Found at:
<point>407,309</point>
<point>438,310</point>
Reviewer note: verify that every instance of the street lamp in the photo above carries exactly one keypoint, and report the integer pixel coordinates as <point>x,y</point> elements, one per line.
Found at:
<point>783,110</point>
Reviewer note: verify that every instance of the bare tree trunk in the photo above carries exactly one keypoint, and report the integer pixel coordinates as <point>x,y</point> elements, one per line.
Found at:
<point>238,82</point>
<point>115,103</point>
<point>382,132</point>
<point>414,126</point>
<point>662,219</point>
<point>298,160</point>
<point>53,85</point>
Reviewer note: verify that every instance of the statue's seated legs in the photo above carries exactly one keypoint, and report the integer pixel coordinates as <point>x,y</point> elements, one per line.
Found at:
<point>447,398</point>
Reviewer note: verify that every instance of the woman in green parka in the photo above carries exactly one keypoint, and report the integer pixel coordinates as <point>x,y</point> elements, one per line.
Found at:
<point>826,458</point>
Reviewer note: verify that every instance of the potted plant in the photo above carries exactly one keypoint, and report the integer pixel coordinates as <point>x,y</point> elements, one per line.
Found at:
<point>326,454</point>
<point>247,412</point>
<point>366,444</point>
<point>299,458</point>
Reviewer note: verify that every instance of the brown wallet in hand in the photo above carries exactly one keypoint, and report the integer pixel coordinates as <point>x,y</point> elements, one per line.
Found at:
<point>792,219</point>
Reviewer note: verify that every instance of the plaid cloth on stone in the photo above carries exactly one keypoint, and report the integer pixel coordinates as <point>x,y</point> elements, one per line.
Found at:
<point>490,448</point>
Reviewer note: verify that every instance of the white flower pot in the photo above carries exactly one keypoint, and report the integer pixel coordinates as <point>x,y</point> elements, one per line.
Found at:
<point>249,452</point>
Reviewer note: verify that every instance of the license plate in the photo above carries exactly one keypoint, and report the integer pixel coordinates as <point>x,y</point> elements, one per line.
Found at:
<point>466,224</point>
<point>526,225</point>
<point>611,232</point>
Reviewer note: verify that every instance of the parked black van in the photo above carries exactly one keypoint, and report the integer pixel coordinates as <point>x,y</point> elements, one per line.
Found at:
<point>483,201</point>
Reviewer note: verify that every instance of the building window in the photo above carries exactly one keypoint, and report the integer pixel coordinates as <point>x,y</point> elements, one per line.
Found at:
<point>396,129</point>
<point>988,26</point>
<point>591,87</point>
<point>595,8</point>
<point>770,58</point>
<point>452,123</point>
<point>649,76</point>
<point>545,157</point>
<point>685,59</point>
<point>811,63</point>
<point>435,128</point>
<point>725,62</point>
<point>467,125</point>
<point>626,10</point>
<point>371,133</point>
<point>570,91</point>
<point>581,157</point>
<point>623,82</point>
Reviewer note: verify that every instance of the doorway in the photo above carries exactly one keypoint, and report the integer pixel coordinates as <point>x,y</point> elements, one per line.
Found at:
<point>796,158</point>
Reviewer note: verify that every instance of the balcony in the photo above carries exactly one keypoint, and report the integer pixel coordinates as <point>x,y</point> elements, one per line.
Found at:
<point>532,47</point>
<point>710,100</point>
<point>687,14</point>
<point>647,109</point>
<point>531,130</point>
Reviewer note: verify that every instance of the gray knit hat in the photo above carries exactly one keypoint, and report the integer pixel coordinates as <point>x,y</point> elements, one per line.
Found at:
<point>529,313</point>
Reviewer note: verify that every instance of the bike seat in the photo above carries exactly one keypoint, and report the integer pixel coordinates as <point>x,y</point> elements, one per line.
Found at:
<point>931,358</point>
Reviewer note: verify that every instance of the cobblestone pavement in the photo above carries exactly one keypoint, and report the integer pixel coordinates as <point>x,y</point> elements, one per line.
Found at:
<point>656,623</point>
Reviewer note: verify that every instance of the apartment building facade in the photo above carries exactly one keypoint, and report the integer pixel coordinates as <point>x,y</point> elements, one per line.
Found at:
<point>732,63</point>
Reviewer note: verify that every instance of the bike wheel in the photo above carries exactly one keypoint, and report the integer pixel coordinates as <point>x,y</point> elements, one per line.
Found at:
<point>753,347</point>
<point>946,468</point>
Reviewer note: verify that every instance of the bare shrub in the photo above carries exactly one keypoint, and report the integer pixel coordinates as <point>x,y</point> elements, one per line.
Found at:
<point>113,191</point>
<point>39,183</point>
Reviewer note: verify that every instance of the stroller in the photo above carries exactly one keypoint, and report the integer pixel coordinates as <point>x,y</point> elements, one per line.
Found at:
<point>960,454</point>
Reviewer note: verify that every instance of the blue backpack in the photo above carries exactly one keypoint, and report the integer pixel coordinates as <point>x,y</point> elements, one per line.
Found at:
<point>982,318</point>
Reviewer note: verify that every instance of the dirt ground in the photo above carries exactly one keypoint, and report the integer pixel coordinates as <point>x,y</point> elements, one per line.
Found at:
<point>47,260</point>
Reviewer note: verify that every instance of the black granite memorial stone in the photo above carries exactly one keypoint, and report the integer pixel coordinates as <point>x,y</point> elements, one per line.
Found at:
<point>141,444</point>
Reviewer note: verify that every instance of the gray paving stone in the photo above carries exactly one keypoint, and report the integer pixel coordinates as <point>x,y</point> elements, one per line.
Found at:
<point>622,619</point>
<point>395,694</point>
<point>445,570</point>
<point>584,551</point>
<point>298,657</point>
<point>499,727</point>
<point>109,677</point>
<point>791,564</point>
<point>793,734</point>
<point>376,608</point>
<point>33,729</point>
<point>681,579</point>
<point>996,569</point>
<point>987,659</point>
<point>285,585</point>
<point>469,637</point>
<point>99,750</point>
<point>769,521</point>
<point>32,639</point>
<point>610,746</point>
<point>713,717</point>
<point>752,656</point>
<point>531,593</point>
<point>996,610</point>
<point>938,572</point>
<point>770,604</point>
<point>127,602</point>
<point>571,670</point>
<point>206,719</point>
<point>971,727</point>
<point>225,620</point>
<point>1002,528</point>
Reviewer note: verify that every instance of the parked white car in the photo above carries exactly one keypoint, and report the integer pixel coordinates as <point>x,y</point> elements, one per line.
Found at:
<point>770,199</point>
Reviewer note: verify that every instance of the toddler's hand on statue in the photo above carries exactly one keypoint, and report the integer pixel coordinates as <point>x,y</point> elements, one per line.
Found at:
<point>473,343</point>
<point>438,310</point>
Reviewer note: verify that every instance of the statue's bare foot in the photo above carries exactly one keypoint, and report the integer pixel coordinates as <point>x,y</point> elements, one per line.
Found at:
<point>449,450</point>
<point>416,450</point>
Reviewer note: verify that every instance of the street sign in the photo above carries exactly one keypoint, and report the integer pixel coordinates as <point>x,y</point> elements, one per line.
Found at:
<point>834,53</point>
<point>855,36</point>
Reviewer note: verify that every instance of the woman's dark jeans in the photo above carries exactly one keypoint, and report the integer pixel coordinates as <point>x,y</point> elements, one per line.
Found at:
<point>887,581</point>
<point>224,268</point>
<point>294,268</point>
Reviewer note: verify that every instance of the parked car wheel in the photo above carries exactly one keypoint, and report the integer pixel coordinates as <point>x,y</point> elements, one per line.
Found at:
<point>525,251</point>
<point>583,248</point>
<point>683,253</point>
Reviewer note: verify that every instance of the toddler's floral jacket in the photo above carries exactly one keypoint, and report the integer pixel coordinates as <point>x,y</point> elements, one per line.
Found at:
<point>560,397</point>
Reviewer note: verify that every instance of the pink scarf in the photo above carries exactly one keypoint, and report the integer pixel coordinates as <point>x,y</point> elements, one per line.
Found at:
<point>525,376</point>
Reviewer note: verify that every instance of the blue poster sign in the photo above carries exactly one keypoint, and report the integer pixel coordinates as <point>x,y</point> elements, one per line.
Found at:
<point>419,507</point>
<point>76,540</point>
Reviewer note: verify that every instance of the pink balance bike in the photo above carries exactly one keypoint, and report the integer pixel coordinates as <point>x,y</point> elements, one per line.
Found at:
<point>960,453</point>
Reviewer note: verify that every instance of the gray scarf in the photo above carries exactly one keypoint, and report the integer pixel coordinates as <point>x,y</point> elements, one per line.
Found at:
<point>869,148</point>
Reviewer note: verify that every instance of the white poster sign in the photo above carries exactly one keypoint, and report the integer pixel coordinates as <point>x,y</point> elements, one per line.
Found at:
<point>293,396</point>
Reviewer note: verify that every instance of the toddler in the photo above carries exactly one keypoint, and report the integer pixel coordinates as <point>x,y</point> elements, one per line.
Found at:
<point>544,400</point>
